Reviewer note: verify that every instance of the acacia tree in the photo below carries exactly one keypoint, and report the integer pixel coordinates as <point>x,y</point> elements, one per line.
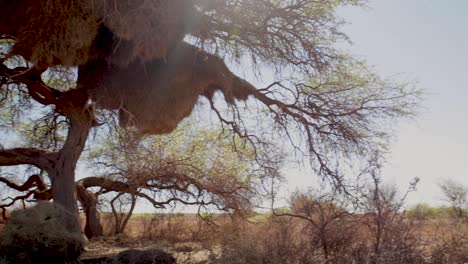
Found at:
<point>457,195</point>
<point>150,61</point>
<point>190,167</point>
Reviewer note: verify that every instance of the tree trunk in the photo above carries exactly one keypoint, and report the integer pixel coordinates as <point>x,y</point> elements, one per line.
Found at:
<point>93,227</point>
<point>63,173</point>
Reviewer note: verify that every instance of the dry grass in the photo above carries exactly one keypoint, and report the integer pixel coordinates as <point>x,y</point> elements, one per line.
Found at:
<point>268,239</point>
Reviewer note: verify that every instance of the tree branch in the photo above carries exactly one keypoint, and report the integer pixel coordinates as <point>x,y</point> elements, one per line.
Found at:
<point>40,158</point>
<point>31,77</point>
<point>33,180</point>
<point>106,183</point>
<point>42,192</point>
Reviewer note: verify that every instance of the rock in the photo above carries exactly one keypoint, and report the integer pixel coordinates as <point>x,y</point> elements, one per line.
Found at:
<point>150,256</point>
<point>134,256</point>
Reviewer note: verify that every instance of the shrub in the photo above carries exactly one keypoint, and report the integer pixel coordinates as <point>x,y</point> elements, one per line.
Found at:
<point>452,247</point>
<point>426,212</point>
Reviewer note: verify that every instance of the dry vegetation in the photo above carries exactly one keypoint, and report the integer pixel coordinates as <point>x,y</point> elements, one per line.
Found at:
<point>265,238</point>
<point>316,227</point>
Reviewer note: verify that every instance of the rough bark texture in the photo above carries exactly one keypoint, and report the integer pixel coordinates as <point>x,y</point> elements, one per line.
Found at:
<point>73,105</point>
<point>88,200</point>
<point>63,173</point>
<point>93,227</point>
<point>17,156</point>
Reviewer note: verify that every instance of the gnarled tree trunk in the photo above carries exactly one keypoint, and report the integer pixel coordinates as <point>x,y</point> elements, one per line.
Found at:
<point>80,118</point>
<point>93,227</point>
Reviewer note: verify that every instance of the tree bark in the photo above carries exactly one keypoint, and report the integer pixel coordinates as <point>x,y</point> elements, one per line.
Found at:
<point>40,158</point>
<point>63,173</point>
<point>60,166</point>
<point>93,227</point>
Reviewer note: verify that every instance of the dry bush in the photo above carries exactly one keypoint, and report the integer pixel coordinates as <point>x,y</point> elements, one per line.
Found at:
<point>177,228</point>
<point>108,224</point>
<point>399,244</point>
<point>39,234</point>
<point>329,228</point>
<point>278,240</point>
<point>285,239</point>
<point>233,244</point>
<point>163,227</point>
<point>317,230</point>
<point>312,231</point>
<point>281,239</point>
<point>451,245</point>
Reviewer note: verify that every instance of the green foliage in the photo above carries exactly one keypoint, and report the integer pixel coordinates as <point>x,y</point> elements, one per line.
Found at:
<point>207,216</point>
<point>457,195</point>
<point>425,211</point>
<point>260,217</point>
<point>208,151</point>
<point>293,33</point>
<point>192,165</point>
<point>144,216</point>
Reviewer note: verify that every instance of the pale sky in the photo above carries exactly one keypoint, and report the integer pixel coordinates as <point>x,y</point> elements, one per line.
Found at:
<point>426,40</point>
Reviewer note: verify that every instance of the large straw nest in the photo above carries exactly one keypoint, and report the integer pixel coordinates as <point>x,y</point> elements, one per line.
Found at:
<point>39,235</point>
<point>55,32</point>
<point>156,96</point>
<point>61,32</point>
<point>152,26</point>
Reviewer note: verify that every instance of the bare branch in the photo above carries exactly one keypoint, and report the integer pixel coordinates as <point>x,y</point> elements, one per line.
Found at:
<point>35,180</point>
<point>31,77</point>
<point>40,158</point>
<point>41,191</point>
